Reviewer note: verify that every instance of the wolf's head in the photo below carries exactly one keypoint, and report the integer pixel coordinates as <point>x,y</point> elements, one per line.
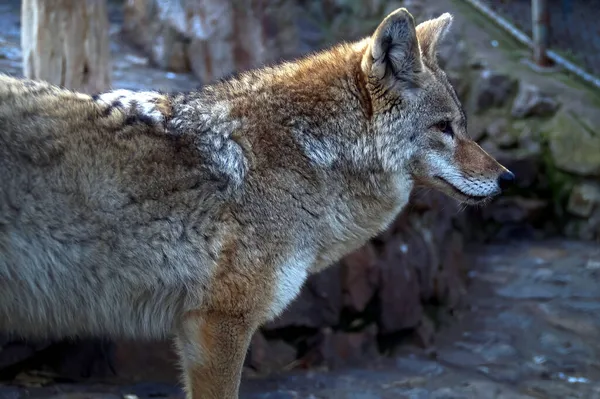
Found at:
<point>417,117</point>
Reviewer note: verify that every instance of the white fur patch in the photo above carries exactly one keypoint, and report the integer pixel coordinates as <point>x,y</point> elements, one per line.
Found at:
<point>404,186</point>
<point>478,186</point>
<point>392,155</point>
<point>142,103</point>
<point>289,279</point>
<point>224,155</point>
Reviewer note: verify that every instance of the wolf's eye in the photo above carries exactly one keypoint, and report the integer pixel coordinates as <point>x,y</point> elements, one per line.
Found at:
<point>444,127</point>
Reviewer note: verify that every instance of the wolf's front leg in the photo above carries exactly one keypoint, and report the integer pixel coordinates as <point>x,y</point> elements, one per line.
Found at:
<point>212,348</point>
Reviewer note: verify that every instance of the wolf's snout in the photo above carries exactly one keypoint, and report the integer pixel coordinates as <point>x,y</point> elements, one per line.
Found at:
<point>505,180</point>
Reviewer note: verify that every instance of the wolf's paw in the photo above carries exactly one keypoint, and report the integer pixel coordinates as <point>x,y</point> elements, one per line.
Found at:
<point>149,106</point>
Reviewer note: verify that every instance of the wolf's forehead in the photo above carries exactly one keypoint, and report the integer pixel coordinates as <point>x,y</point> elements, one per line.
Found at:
<point>442,96</point>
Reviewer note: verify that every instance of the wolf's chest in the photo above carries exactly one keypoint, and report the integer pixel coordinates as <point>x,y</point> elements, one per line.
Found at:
<point>289,280</point>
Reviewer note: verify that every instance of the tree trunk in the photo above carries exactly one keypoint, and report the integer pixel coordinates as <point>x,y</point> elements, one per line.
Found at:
<point>66,42</point>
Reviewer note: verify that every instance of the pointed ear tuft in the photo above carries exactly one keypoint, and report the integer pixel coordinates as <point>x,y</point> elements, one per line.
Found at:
<point>393,53</point>
<point>431,33</point>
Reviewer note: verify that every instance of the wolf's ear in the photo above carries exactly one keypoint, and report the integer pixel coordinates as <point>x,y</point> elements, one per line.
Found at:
<point>393,54</point>
<point>431,33</point>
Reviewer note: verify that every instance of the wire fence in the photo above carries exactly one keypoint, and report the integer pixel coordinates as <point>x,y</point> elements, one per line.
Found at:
<point>573,27</point>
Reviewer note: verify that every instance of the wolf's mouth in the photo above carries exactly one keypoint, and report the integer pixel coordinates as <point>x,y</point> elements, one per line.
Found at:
<point>461,194</point>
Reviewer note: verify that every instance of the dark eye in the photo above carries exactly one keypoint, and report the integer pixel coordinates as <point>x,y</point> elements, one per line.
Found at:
<point>445,127</point>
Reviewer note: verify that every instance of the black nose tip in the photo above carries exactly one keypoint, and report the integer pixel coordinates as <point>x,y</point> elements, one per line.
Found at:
<point>505,180</point>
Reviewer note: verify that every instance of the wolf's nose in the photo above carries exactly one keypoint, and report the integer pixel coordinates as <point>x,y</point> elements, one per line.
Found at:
<point>505,180</point>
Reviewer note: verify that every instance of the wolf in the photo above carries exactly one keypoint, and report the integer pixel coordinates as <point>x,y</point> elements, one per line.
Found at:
<point>199,215</point>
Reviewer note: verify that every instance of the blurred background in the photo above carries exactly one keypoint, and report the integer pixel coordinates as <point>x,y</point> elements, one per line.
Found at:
<point>451,302</point>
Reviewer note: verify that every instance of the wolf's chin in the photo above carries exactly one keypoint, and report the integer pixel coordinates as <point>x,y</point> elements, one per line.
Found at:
<point>451,190</point>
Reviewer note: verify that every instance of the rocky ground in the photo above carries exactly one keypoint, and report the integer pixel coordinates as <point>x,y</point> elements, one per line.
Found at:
<point>529,330</point>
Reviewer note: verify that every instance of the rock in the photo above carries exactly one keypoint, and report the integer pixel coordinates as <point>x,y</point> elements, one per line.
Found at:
<point>515,210</point>
<point>478,127</point>
<point>525,166</point>
<point>150,389</point>
<point>438,224</point>
<point>501,373</point>
<point>69,359</point>
<point>452,53</point>
<point>529,137</point>
<point>419,366</point>
<point>579,323</point>
<point>593,227</point>
<point>460,357</point>
<point>518,232</point>
<point>477,63</point>
<point>424,335</point>
<point>497,127</point>
<point>318,305</point>
<point>90,395</point>
<point>145,25</point>
<point>76,359</point>
<point>524,163</point>
<point>433,218</point>
<point>408,382</point>
<point>493,89</point>
<point>437,247</point>
<point>399,294</point>
<point>369,9</point>
<point>268,356</point>
<point>422,244</point>
<point>584,198</point>
<point>17,351</point>
<point>554,390</point>
<point>146,361</point>
<point>461,83</point>
<point>574,145</point>
<point>7,392</point>
<point>343,349</point>
<point>213,38</point>
<point>360,278</point>
<point>501,134</point>
<point>479,389</point>
<point>449,283</point>
<point>489,353</point>
<point>531,101</point>
<point>547,254</point>
<point>564,345</point>
<point>588,229</point>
